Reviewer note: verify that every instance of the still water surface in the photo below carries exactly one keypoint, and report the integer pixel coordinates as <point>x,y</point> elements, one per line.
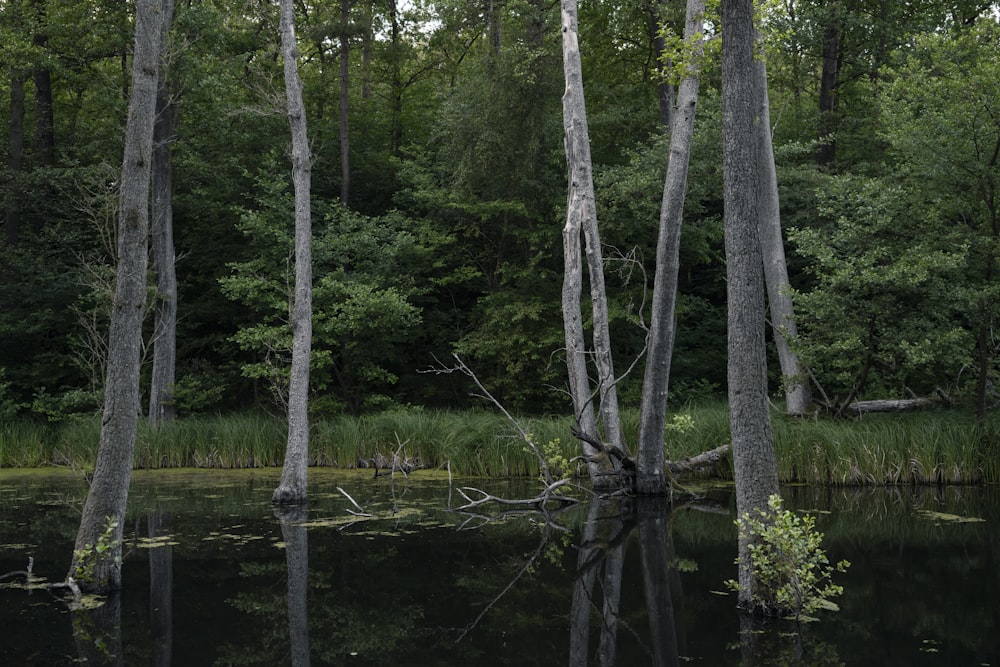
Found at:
<point>214,576</point>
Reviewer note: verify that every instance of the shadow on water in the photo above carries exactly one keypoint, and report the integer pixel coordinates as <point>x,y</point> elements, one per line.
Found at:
<point>382,572</point>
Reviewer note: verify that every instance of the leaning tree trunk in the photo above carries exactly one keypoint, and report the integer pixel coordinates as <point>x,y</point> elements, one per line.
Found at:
<point>754,463</point>
<point>581,217</point>
<point>161,385</point>
<point>292,488</point>
<point>795,382</point>
<point>651,477</point>
<point>104,511</point>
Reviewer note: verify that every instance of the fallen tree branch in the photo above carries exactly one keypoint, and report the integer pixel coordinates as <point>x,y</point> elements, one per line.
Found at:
<point>539,502</point>
<point>699,461</point>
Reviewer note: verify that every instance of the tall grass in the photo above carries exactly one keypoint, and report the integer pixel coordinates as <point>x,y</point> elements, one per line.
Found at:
<point>933,447</point>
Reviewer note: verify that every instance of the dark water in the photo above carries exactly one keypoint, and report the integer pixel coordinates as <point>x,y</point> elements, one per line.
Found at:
<point>230,582</point>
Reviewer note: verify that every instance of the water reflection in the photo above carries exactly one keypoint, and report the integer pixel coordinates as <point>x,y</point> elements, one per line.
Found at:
<point>214,575</point>
<point>296,539</point>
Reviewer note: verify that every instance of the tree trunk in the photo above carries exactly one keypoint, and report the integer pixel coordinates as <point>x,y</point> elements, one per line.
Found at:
<point>827,148</point>
<point>396,81</point>
<point>664,91</point>
<point>45,136</point>
<point>581,217</point>
<point>161,389</point>
<point>754,461</point>
<point>345,126</point>
<point>650,475</point>
<point>15,155</point>
<point>795,381</point>
<point>292,489</point>
<point>99,572</point>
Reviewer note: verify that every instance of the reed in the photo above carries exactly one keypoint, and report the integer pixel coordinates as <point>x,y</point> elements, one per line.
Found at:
<point>933,447</point>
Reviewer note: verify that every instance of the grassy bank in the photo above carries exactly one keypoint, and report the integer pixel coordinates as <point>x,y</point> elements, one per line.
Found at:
<point>928,447</point>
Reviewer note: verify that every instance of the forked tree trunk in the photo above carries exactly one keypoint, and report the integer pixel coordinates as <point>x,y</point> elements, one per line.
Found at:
<point>651,477</point>
<point>795,381</point>
<point>754,461</point>
<point>161,386</point>
<point>581,218</point>
<point>292,488</point>
<point>95,570</point>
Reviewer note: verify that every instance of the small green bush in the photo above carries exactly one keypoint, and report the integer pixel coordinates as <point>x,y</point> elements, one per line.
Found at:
<point>791,571</point>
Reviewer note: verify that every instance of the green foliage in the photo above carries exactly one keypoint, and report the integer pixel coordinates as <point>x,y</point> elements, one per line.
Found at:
<point>882,313</point>
<point>87,558</point>
<point>364,283</point>
<point>555,458</point>
<point>792,575</point>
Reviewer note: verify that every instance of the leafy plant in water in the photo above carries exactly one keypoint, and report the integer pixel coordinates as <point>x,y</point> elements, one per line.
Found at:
<point>88,557</point>
<point>791,571</point>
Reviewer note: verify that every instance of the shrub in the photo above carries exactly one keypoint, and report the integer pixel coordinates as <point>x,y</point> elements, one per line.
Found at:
<point>791,572</point>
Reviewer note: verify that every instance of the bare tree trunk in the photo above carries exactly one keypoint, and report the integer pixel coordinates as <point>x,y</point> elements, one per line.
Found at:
<point>15,155</point>
<point>345,125</point>
<point>650,475</point>
<point>664,91</point>
<point>161,389</point>
<point>45,135</point>
<point>93,570</point>
<point>826,150</point>
<point>754,461</point>
<point>795,380</point>
<point>292,488</point>
<point>581,217</point>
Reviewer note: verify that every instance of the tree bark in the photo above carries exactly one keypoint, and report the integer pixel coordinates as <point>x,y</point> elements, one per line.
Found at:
<point>345,125</point>
<point>795,380</point>
<point>664,91</point>
<point>826,150</point>
<point>581,217</point>
<point>113,470</point>
<point>754,462</point>
<point>650,475</point>
<point>15,156</point>
<point>45,136</point>
<point>292,488</point>
<point>161,389</point>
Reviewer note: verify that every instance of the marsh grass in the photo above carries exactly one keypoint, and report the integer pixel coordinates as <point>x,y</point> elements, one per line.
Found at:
<point>932,447</point>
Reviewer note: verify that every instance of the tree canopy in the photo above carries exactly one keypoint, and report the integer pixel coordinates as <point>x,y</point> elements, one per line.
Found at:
<point>886,138</point>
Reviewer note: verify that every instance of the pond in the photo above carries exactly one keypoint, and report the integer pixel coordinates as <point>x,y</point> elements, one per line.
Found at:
<point>214,576</point>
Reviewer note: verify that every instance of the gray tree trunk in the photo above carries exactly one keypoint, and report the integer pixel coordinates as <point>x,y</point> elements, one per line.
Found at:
<point>650,475</point>
<point>15,155</point>
<point>754,461</point>
<point>292,488</point>
<point>345,125</point>
<point>113,470</point>
<point>161,389</point>
<point>798,396</point>
<point>581,217</point>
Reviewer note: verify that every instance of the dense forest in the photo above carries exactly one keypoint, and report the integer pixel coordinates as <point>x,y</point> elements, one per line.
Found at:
<point>439,194</point>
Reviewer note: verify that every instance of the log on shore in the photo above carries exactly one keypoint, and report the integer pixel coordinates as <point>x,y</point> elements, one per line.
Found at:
<point>859,408</point>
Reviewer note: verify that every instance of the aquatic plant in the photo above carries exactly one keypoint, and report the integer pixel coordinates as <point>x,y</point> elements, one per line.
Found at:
<point>792,574</point>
